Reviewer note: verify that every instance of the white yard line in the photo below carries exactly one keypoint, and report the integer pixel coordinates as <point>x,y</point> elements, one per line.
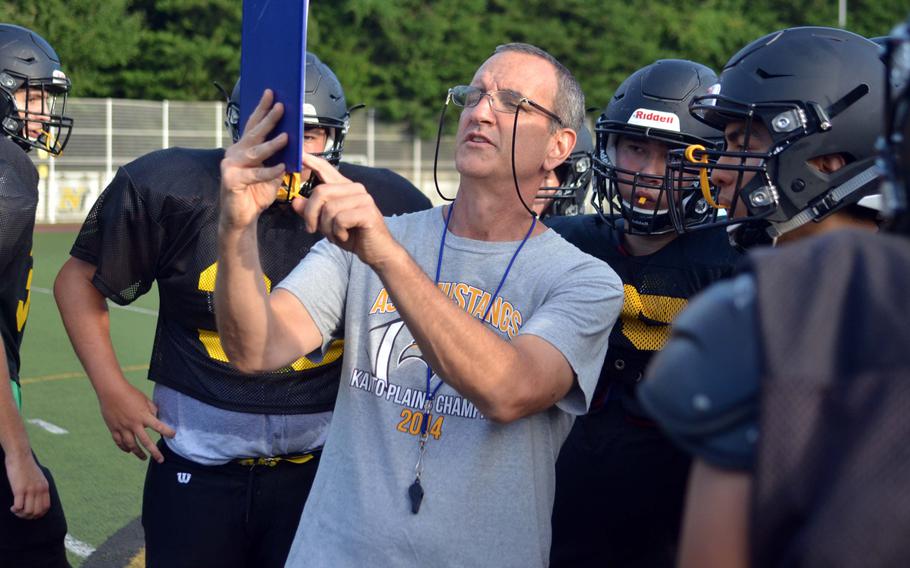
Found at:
<point>77,547</point>
<point>47,426</point>
<point>135,309</point>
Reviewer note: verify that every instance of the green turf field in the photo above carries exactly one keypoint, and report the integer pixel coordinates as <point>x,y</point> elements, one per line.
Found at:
<point>100,486</point>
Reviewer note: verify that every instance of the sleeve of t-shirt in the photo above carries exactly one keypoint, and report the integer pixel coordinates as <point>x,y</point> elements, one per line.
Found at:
<point>320,282</point>
<point>577,319</point>
<point>122,239</point>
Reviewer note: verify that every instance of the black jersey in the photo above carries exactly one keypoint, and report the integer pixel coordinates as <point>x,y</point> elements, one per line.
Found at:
<point>18,201</point>
<point>831,485</point>
<point>805,352</point>
<point>158,221</point>
<point>656,289</point>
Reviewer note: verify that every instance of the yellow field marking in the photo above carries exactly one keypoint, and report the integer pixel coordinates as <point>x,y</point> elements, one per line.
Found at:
<point>137,561</point>
<point>62,376</point>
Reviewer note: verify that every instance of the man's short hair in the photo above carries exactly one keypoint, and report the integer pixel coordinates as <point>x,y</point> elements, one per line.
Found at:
<point>569,103</point>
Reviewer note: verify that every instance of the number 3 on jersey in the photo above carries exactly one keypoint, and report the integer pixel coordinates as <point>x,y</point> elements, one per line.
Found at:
<point>212,342</point>
<point>23,306</point>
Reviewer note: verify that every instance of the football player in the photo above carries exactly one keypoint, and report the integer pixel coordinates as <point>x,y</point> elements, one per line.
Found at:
<point>32,524</point>
<point>227,484</point>
<point>565,188</point>
<point>620,482</point>
<point>784,173</point>
<point>804,350</point>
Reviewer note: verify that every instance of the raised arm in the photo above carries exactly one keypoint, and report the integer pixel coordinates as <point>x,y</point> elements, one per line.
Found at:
<point>506,380</point>
<point>259,332</point>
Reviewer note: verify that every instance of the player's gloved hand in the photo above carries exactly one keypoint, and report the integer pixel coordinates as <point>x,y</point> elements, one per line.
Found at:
<point>346,214</point>
<point>127,413</point>
<point>248,187</point>
<point>31,492</point>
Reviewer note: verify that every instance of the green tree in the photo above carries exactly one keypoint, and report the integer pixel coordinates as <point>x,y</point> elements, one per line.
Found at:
<point>183,47</point>
<point>405,54</point>
<point>400,56</point>
<point>93,39</point>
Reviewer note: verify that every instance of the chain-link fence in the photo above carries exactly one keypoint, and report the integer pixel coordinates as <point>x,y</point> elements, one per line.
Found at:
<point>109,133</point>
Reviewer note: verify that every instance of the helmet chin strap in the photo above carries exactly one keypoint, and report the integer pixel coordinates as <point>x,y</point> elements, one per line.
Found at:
<point>827,204</point>
<point>747,235</point>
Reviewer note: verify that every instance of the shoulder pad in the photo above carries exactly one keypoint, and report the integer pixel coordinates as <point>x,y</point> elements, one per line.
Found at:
<point>703,387</point>
<point>177,166</point>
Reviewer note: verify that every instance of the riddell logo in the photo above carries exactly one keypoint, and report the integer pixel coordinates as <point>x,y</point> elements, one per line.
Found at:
<point>655,119</point>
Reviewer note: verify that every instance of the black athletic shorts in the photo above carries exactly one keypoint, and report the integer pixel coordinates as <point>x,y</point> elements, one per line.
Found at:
<point>620,488</point>
<point>227,516</point>
<point>31,543</point>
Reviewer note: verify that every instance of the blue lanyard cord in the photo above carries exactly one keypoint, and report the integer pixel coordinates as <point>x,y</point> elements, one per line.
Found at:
<point>432,394</point>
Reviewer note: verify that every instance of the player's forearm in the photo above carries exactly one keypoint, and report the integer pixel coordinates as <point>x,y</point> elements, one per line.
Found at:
<point>242,307</point>
<point>87,322</point>
<point>13,437</point>
<point>473,359</point>
<point>715,531</point>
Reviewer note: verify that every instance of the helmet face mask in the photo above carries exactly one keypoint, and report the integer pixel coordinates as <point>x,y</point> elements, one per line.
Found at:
<point>651,106</point>
<point>738,178</point>
<point>574,175</point>
<point>640,197</point>
<point>787,102</point>
<point>33,92</point>
<point>335,128</point>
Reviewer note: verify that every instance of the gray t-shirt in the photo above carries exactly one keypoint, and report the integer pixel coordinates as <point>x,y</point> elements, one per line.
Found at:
<point>489,487</point>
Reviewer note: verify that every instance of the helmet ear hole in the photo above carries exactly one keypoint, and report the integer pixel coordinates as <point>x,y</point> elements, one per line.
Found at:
<point>7,105</point>
<point>11,124</point>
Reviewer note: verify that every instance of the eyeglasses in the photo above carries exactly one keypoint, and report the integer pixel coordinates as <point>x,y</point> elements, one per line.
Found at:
<point>508,102</point>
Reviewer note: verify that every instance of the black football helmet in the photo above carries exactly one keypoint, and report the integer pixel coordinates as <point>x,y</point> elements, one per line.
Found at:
<point>806,92</point>
<point>895,144</point>
<point>324,106</point>
<point>651,104</point>
<point>30,67</point>
<point>574,175</point>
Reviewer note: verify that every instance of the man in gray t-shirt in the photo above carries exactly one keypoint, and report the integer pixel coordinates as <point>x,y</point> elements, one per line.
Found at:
<point>473,333</point>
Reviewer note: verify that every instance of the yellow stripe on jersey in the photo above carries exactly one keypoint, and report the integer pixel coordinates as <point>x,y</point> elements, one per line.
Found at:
<point>23,306</point>
<point>646,318</point>
<point>207,279</point>
<point>212,343</point>
<point>335,350</point>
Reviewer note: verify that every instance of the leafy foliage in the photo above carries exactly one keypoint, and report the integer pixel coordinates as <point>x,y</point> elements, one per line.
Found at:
<point>95,40</point>
<point>400,56</point>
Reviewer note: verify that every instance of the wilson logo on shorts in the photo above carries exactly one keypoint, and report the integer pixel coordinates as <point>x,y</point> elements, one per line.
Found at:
<point>183,477</point>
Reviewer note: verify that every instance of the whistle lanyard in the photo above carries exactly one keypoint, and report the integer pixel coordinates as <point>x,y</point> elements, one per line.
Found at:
<point>415,491</point>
